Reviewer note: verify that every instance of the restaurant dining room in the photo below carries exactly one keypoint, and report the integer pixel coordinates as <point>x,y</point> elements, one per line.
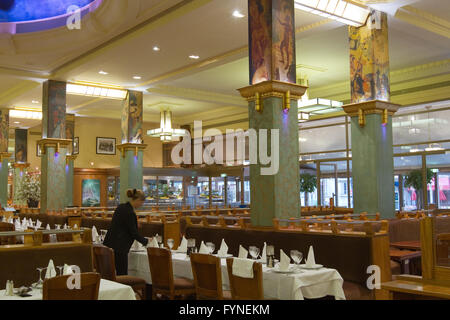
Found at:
<point>225,158</point>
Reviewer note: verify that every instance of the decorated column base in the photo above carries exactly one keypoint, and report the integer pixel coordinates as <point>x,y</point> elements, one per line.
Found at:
<point>372,157</point>
<point>53,175</point>
<point>70,161</point>
<point>131,168</point>
<point>273,105</point>
<point>4,172</point>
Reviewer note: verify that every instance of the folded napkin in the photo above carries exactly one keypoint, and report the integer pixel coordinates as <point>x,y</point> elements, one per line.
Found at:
<point>183,245</point>
<point>51,271</point>
<point>75,226</point>
<point>203,249</point>
<point>58,227</point>
<point>311,261</point>
<point>30,222</point>
<point>38,224</point>
<point>10,220</point>
<point>65,226</point>
<point>284,261</point>
<point>264,254</point>
<point>48,227</point>
<point>3,219</point>
<point>223,251</point>
<point>67,270</point>
<point>243,253</point>
<point>24,224</point>
<point>17,225</point>
<point>94,234</point>
<point>153,243</point>
<point>243,268</point>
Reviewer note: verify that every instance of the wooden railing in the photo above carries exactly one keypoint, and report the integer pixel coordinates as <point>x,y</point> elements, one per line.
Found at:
<point>35,238</point>
<point>239,222</point>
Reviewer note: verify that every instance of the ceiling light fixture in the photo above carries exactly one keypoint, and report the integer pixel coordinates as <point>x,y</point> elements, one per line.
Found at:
<point>303,116</point>
<point>16,122</point>
<point>165,132</point>
<point>194,57</point>
<point>103,72</point>
<point>156,48</point>
<point>25,114</point>
<point>96,91</point>
<point>343,11</point>
<point>137,77</point>
<point>237,14</point>
<point>34,101</point>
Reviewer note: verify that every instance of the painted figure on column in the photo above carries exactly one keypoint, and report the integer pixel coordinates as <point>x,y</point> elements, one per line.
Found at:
<point>21,145</point>
<point>4,130</point>
<point>70,130</point>
<point>369,60</point>
<point>132,118</point>
<point>56,123</point>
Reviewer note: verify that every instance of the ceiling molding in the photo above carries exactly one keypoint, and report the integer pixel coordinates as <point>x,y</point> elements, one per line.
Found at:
<point>198,95</point>
<point>213,115</point>
<point>24,74</point>
<point>424,20</point>
<point>82,105</point>
<point>17,90</point>
<point>311,26</point>
<point>156,21</point>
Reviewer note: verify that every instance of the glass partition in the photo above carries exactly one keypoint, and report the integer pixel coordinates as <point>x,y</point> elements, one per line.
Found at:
<point>203,191</point>
<point>411,169</point>
<point>113,193</point>
<point>150,189</point>
<point>233,191</point>
<point>308,176</point>
<point>218,191</point>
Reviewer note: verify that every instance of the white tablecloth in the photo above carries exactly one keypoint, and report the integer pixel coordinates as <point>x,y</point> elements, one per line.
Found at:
<point>310,284</point>
<point>108,290</point>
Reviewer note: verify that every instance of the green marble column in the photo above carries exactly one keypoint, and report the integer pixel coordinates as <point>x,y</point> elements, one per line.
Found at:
<point>70,160</point>
<point>54,146</point>
<point>4,156</point>
<point>131,168</point>
<point>371,118</point>
<point>272,97</point>
<point>132,147</point>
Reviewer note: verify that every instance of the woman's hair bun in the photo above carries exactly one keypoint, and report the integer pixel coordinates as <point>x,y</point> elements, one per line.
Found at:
<point>135,194</point>
<point>130,193</point>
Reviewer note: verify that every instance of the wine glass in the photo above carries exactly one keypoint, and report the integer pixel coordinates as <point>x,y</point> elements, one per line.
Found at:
<point>170,243</point>
<point>254,252</point>
<point>211,246</point>
<point>103,235</point>
<point>159,240</point>
<point>57,226</point>
<point>297,256</point>
<point>40,281</point>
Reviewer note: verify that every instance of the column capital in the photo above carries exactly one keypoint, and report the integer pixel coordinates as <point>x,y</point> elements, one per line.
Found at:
<point>5,155</point>
<point>70,157</point>
<point>51,142</point>
<point>272,88</point>
<point>371,107</point>
<point>131,146</point>
<point>20,165</point>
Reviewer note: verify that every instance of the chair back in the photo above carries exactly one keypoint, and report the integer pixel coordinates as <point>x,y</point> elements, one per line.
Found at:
<point>245,288</point>
<point>207,276</point>
<point>160,262</point>
<point>56,288</point>
<point>4,226</point>
<point>104,262</point>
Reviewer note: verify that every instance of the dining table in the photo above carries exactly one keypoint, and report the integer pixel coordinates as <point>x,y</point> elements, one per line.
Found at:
<point>297,284</point>
<point>407,245</point>
<point>109,290</point>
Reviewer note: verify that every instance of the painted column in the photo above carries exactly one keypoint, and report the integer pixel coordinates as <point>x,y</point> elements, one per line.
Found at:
<point>272,97</point>
<point>20,163</point>
<point>70,159</point>
<point>371,118</point>
<point>54,146</point>
<point>132,147</point>
<point>4,157</point>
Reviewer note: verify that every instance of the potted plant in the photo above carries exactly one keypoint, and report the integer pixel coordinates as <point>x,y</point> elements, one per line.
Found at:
<point>414,180</point>
<point>30,190</point>
<point>308,184</point>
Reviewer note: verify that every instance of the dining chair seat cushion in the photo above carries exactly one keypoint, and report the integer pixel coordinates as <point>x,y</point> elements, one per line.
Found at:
<point>130,280</point>
<point>183,284</point>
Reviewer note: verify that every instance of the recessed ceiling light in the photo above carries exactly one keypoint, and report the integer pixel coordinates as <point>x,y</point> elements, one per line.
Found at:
<point>156,48</point>
<point>103,72</point>
<point>137,77</point>
<point>34,101</point>
<point>16,122</point>
<point>194,57</point>
<point>237,14</point>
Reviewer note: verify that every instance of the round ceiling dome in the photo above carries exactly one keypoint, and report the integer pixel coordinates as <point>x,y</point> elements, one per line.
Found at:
<point>22,16</point>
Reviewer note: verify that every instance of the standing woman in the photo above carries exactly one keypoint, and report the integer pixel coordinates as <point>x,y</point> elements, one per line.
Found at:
<point>124,230</point>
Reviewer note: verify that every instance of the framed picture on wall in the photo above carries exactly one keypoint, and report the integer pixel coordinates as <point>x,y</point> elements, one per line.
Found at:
<point>38,150</point>
<point>90,193</point>
<point>76,146</point>
<point>106,145</point>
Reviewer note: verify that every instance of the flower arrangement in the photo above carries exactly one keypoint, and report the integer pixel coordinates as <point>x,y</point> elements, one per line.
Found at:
<point>29,189</point>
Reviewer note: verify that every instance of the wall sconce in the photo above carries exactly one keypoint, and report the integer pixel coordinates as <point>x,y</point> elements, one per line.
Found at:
<point>361,118</point>
<point>385,118</point>
<point>258,106</point>
<point>287,100</point>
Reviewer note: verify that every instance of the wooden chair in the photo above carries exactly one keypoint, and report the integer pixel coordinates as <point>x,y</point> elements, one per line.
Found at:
<point>443,249</point>
<point>104,263</point>
<point>208,277</point>
<point>4,226</point>
<point>163,282</point>
<point>56,288</point>
<point>243,288</point>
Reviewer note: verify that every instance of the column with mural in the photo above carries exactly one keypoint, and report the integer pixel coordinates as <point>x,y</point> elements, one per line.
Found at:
<point>4,156</point>
<point>371,117</point>
<point>70,158</point>
<point>20,164</point>
<point>272,97</point>
<point>132,147</point>
<point>53,146</point>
